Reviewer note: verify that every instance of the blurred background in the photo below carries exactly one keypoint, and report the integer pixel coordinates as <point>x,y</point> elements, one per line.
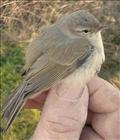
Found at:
<point>21,21</point>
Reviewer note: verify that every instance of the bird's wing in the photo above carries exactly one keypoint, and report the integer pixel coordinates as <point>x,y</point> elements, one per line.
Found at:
<point>67,52</point>
<point>40,80</point>
<point>55,64</point>
<point>47,38</point>
<point>59,47</point>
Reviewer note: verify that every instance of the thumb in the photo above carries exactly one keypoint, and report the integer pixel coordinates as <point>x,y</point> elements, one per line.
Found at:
<point>64,113</point>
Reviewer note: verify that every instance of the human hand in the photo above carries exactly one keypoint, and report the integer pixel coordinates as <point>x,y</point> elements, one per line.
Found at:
<point>70,113</point>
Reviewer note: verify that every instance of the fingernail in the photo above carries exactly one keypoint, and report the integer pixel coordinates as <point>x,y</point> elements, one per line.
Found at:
<point>68,92</point>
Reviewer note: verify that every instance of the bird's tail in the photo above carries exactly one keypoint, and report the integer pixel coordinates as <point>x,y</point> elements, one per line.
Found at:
<point>12,107</point>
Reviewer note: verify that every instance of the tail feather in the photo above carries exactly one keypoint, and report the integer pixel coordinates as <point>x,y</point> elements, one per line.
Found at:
<point>8,121</point>
<point>12,107</point>
<point>13,96</point>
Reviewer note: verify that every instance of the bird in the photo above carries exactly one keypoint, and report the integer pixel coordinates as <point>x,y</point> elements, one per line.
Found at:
<point>71,50</point>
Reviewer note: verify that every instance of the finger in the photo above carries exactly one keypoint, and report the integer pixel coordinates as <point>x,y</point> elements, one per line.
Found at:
<point>89,134</point>
<point>105,101</point>
<point>37,102</point>
<point>64,113</point>
<point>89,117</point>
<point>103,96</point>
<point>107,125</point>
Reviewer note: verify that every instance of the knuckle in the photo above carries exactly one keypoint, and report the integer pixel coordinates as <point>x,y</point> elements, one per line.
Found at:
<point>63,124</point>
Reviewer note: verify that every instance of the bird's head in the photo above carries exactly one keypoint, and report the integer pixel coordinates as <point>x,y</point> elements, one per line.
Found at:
<point>82,24</point>
<point>79,24</point>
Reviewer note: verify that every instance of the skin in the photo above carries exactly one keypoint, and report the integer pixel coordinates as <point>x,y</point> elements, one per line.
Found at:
<point>72,113</point>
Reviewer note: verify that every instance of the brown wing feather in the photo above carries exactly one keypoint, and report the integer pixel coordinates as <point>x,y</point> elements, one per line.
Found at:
<point>69,51</point>
<point>43,79</point>
<point>55,63</point>
<point>60,48</point>
<point>48,38</point>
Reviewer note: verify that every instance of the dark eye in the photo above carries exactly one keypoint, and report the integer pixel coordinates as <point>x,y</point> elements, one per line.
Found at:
<point>86,31</point>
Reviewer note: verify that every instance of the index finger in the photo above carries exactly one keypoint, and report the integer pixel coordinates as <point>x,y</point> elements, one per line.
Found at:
<point>103,96</point>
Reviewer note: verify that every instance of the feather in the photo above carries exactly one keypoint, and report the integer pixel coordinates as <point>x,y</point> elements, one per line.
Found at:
<point>12,107</point>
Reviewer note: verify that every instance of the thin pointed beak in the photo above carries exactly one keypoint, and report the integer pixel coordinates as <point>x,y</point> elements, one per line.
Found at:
<point>102,27</point>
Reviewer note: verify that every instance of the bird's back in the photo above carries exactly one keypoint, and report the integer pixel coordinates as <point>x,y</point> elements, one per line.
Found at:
<point>47,38</point>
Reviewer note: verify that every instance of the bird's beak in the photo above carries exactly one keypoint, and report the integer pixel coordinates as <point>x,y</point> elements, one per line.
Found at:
<point>102,27</point>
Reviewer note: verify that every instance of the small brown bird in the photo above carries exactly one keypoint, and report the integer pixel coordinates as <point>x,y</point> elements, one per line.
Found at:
<point>71,49</point>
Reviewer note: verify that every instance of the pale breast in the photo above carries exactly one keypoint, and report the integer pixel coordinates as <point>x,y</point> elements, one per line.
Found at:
<point>86,71</point>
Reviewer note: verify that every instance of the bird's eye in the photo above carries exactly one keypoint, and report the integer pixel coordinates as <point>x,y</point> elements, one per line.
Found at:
<point>85,31</point>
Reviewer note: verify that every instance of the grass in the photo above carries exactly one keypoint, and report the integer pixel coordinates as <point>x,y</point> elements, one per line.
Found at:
<point>11,63</point>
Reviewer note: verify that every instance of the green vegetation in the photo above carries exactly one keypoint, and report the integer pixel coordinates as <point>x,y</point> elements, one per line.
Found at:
<point>11,65</point>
